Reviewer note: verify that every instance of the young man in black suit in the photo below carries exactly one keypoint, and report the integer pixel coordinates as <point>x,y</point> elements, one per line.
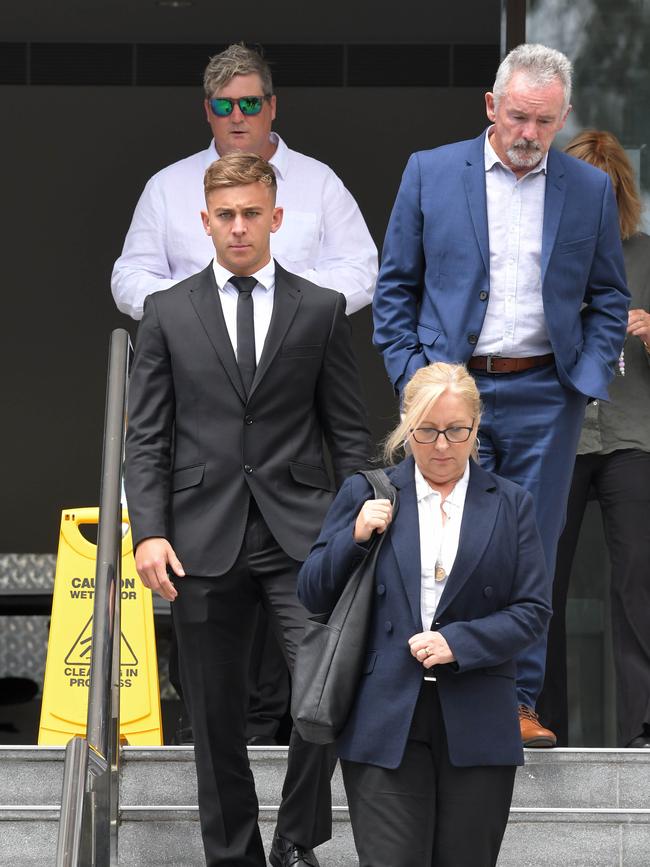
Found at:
<point>240,371</point>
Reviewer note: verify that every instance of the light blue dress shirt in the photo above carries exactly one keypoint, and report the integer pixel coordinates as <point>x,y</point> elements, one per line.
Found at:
<point>514,324</point>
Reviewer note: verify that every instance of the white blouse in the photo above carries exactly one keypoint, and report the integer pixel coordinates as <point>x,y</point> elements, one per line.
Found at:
<point>438,543</point>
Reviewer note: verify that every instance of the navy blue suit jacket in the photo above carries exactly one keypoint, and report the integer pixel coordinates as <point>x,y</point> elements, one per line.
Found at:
<point>434,280</point>
<point>496,602</point>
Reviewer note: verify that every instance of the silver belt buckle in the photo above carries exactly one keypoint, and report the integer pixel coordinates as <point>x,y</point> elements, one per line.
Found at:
<point>488,364</point>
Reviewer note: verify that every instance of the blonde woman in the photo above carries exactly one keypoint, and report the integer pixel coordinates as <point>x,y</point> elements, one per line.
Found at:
<point>431,745</point>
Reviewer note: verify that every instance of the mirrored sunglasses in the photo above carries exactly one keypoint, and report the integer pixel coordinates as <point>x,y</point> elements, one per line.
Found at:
<point>223,106</point>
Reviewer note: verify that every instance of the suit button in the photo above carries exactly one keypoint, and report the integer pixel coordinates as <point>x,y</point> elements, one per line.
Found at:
<point>388,626</point>
<point>487,592</point>
<point>248,419</point>
<point>381,589</point>
<point>482,295</point>
<point>248,469</point>
<point>473,339</point>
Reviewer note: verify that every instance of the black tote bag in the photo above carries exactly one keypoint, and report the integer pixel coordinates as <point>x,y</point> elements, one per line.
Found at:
<point>330,656</point>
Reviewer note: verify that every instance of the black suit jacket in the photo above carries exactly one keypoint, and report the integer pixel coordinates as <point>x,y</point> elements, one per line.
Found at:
<point>196,448</point>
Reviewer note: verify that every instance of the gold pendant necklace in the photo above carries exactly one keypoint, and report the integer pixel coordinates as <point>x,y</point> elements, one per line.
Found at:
<point>440,573</point>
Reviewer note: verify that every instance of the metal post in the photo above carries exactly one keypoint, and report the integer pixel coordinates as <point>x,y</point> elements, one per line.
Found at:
<point>88,826</point>
<point>68,847</point>
<point>103,699</point>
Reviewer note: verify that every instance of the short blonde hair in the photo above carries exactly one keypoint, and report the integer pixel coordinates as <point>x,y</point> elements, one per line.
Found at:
<point>603,150</point>
<point>421,393</point>
<point>237,169</point>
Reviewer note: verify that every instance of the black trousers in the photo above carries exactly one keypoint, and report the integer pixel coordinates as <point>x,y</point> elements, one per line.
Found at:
<point>215,621</point>
<point>268,684</point>
<point>622,484</point>
<point>268,681</point>
<point>427,812</point>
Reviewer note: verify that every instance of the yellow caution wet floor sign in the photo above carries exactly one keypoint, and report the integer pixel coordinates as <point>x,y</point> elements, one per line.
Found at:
<point>67,673</point>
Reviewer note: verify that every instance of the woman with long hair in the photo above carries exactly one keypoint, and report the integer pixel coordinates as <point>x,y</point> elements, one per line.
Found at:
<point>614,460</point>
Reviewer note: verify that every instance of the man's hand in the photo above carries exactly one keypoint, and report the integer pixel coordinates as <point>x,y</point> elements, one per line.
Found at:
<point>430,648</point>
<point>638,324</point>
<point>152,557</point>
<point>374,515</point>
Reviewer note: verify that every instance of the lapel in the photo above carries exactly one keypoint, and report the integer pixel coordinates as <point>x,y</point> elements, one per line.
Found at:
<point>479,516</point>
<point>553,205</point>
<point>286,300</point>
<point>405,536</point>
<point>205,300</point>
<point>474,180</point>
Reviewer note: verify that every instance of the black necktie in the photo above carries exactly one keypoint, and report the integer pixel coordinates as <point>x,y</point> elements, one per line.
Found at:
<point>245,329</point>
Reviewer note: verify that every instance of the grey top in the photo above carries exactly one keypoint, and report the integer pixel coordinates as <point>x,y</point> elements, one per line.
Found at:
<point>624,421</point>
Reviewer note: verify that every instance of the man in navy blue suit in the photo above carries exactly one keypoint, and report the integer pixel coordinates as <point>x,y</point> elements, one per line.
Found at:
<point>505,255</point>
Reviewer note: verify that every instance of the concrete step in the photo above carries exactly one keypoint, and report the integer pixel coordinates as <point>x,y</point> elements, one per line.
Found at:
<point>588,808</point>
<point>557,779</point>
<point>166,776</point>
<point>173,838</point>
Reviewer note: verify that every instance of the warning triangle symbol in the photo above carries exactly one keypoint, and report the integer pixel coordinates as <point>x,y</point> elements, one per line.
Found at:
<point>127,656</point>
<point>79,653</point>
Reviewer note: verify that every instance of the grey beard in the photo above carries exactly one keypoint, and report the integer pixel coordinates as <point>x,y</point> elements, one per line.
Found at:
<point>524,154</point>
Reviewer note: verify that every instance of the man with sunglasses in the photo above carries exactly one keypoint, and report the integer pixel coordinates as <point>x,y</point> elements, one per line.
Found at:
<point>323,238</point>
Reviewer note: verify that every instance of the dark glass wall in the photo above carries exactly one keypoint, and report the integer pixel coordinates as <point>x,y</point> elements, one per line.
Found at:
<point>87,121</point>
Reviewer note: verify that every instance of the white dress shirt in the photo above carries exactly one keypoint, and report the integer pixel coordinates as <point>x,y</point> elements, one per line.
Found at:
<point>438,543</point>
<point>262,296</point>
<point>323,236</point>
<point>514,324</point>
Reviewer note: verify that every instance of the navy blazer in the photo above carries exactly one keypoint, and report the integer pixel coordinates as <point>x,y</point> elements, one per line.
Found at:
<point>496,602</point>
<point>434,280</point>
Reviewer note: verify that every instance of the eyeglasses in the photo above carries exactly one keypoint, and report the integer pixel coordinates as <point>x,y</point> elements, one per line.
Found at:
<point>223,106</point>
<point>429,435</point>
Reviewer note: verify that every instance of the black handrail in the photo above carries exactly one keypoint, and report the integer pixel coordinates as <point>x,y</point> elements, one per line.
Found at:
<point>88,826</point>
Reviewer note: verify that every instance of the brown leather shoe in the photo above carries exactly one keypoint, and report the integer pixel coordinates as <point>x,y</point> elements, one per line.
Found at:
<point>533,733</point>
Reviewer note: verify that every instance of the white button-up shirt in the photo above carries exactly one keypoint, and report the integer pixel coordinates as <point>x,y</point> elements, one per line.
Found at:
<point>438,543</point>
<point>514,324</point>
<point>323,236</point>
<point>262,296</point>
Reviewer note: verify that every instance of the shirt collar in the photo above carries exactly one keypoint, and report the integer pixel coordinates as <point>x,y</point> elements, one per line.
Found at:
<point>492,158</point>
<point>265,276</point>
<point>279,160</point>
<point>457,496</point>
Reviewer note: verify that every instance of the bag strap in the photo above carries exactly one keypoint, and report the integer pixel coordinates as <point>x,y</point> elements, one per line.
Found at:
<point>381,485</point>
<point>383,489</point>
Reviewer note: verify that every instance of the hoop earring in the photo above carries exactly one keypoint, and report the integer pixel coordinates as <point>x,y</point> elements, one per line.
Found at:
<point>478,444</point>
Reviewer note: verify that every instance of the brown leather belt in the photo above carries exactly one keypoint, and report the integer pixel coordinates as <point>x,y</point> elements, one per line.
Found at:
<point>499,364</point>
